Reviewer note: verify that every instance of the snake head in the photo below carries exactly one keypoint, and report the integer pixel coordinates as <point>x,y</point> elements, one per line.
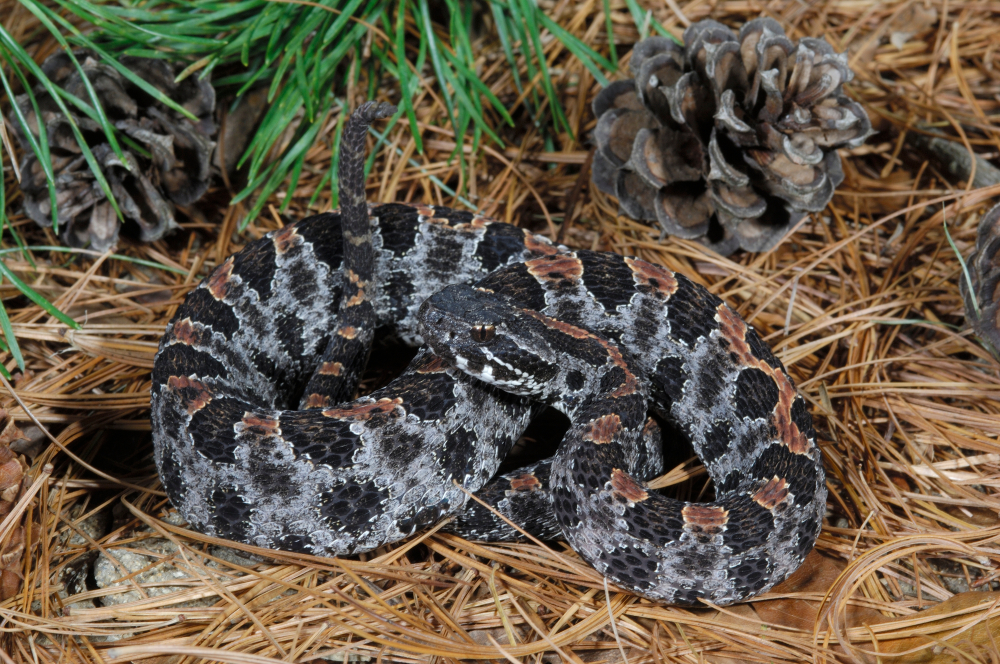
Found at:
<point>487,337</point>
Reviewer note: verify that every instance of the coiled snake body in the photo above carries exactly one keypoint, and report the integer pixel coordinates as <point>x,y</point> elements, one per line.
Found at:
<point>255,441</point>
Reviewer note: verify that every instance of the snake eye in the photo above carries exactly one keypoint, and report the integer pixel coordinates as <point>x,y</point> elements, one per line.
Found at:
<point>482,333</point>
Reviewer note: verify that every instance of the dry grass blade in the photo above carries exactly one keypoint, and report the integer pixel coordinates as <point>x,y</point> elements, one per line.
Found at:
<point>861,303</point>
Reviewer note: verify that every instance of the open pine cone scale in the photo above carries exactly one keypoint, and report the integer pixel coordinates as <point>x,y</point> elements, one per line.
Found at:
<point>171,166</point>
<point>729,139</point>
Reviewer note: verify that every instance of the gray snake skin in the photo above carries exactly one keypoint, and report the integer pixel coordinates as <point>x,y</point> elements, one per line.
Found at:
<point>256,442</point>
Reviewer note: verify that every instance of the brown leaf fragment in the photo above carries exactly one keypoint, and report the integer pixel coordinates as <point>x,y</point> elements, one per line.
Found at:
<point>816,575</point>
<point>976,644</point>
<point>977,516</point>
<point>743,618</point>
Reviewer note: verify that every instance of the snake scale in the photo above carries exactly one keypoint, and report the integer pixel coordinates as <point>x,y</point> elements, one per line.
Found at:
<point>256,438</point>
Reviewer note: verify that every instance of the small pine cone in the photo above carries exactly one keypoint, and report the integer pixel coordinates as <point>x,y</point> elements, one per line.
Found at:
<point>984,273</point>
<point>175,168</point>
<point>12,486</point>
<point>727,140</point>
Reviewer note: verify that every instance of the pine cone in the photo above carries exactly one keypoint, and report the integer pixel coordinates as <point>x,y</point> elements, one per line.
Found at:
<point>176,169</point>
<point>727,140</point>
<point>12,486</point>
<point>984,272</point>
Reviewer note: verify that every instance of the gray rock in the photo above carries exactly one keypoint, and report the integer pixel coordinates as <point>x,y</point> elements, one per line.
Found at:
<point>108,573</point>
<point>95,526</point>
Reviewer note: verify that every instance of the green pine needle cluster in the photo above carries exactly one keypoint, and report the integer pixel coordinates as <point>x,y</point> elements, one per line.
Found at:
<point>302,50</point>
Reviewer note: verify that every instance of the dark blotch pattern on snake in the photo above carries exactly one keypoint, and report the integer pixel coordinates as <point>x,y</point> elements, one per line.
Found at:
<point>255,443</point>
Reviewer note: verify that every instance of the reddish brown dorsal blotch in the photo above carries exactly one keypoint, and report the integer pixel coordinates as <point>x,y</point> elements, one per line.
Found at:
<point>261,425</point>
<point>193,393</point>
<point>654,276</point>
<point>317,401</point>
<point>359,296</point>
<point>734,331</point>
<point>525,482</point>
<point>772,493</point>
<point>185,333</point>
<point>538,245</point>
<point>558,325</point>
<point>705,518</point>
<point>623,485</point>
<point>364,411</point>
<point>555,268</point>
<point>330,369</point>
<point>285,239</point>
<point>602,430</point>
<point>426,211</point>
<point>356,299</point>
<point>629,385</point>
<point>219,281</point>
